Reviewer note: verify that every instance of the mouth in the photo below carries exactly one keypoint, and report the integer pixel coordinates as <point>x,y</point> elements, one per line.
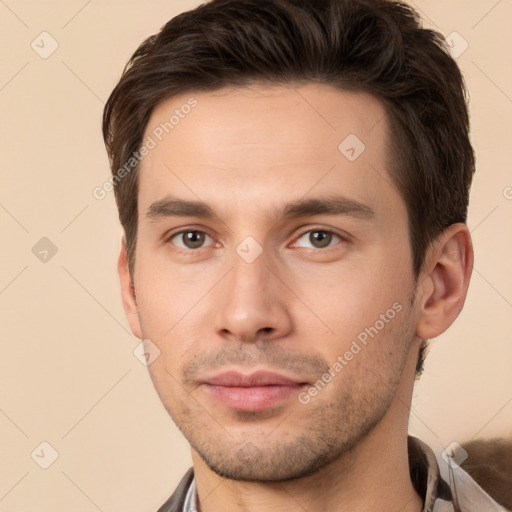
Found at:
<point>253,392</point>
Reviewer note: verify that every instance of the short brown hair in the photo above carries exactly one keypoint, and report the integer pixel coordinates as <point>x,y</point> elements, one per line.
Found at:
<point>375,46</point>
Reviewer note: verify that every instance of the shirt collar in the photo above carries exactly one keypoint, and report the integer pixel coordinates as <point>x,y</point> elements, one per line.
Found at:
<point>463,494</point>
<point>437,495</point>
<point>190,503</point>
<point>425,474</point>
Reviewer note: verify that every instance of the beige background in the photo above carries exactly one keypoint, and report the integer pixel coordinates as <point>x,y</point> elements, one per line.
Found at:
<point>68,373</point>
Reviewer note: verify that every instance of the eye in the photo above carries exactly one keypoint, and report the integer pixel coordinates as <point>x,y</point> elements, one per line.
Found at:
<point>191,239</point>
<point>318,239</point>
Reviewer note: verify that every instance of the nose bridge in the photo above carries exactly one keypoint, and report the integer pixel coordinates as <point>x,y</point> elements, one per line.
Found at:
<point>252,303</point>
<point>250,281</point>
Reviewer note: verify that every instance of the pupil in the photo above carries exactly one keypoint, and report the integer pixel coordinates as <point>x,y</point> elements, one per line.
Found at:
<point>320,238</point>
<point>194,239</point>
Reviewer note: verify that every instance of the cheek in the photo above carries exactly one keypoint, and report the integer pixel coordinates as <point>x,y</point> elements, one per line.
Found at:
<point>352,296</point>
<point>174,307</point>
<point>167,293</point>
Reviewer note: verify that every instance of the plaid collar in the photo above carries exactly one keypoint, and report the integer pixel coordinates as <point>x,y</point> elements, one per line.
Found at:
<point>461,495</point>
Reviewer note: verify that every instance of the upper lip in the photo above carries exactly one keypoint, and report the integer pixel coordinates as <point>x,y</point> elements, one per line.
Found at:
<point>258,378</point>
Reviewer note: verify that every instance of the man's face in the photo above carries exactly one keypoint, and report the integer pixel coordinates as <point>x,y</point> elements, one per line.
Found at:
<point>277,255</point>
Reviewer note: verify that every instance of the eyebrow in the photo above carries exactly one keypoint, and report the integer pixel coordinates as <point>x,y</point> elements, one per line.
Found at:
<point>331,205</point>
<point>169,207</point>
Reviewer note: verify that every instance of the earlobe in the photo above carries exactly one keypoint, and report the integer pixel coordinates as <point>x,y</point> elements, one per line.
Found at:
<point>445,282</point>
<point>128,291</point>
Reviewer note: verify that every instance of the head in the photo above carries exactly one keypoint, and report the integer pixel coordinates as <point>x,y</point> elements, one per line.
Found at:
<point>292,178</point>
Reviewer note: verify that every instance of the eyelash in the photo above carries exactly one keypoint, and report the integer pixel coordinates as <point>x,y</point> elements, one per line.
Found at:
<point>182,232</point>
<point>326,231</point>
<point>311,230</point>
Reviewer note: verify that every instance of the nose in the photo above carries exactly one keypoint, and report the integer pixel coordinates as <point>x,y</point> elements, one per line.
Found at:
<point>254,304</point>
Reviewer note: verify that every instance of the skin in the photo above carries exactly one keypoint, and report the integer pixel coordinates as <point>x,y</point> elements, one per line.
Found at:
<point>299,305</point>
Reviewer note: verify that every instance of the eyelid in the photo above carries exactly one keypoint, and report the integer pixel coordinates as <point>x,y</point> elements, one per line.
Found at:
<point>169,235</point>
<point>344,237</point>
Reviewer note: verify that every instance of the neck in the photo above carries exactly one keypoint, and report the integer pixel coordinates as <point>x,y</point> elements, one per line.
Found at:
<point>374,475</point>
<point>354,482</point>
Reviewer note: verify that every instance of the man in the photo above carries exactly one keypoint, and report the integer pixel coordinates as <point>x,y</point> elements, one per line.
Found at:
<point>292,177</point>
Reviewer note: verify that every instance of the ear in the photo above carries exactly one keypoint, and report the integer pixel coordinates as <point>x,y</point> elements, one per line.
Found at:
<point>128,291</point>
<point>444,284</point>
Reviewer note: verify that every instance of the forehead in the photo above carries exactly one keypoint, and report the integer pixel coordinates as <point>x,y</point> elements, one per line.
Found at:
<point>261,143</point>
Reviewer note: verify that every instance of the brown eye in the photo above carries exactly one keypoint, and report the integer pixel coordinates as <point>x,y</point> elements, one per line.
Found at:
<point>320,239</point>
<point>191,239</point>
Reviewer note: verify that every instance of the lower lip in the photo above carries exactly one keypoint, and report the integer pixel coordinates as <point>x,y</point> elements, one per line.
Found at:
<point>257,398</point>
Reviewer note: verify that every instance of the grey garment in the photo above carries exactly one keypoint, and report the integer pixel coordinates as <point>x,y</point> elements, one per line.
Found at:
<point>190,504</point>
<point>176,502</point>
<point>461,495</point>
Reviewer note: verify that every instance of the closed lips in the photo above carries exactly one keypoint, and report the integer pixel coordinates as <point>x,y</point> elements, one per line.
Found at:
<point>257,379</point>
